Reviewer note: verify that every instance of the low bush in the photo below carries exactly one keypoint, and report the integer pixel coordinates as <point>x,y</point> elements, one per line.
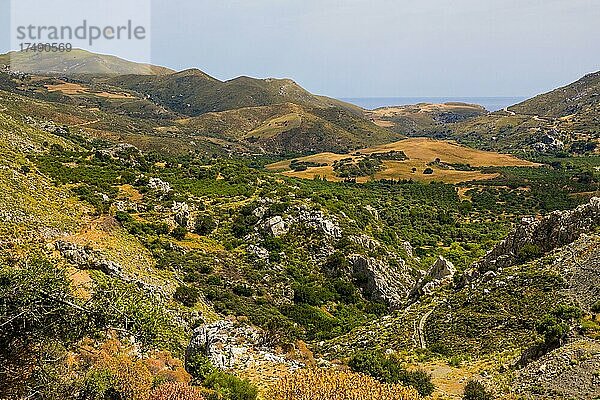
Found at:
<point>205,224</point>
<point>179,233</point>
<point>476,391</point>
<point>230,387</point>
<point>386,369</point>
<point>187,295</point>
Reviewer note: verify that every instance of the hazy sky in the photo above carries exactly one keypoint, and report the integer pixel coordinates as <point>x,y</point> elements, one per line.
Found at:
<point>359,48</point>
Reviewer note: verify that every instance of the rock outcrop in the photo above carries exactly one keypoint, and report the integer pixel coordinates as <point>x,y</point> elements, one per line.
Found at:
<point>317,220</point>
<point>441,273</point>
<point>381,281</point>
<point>159,185</point>
<point>276,226</point>
<point>87,258</point>
<point>232,345</point>
<point>299,216</point>
<point>536,237</point>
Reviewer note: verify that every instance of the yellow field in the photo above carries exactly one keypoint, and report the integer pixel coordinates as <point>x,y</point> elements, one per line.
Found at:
<point>420,152</point>
<point>72,89</point>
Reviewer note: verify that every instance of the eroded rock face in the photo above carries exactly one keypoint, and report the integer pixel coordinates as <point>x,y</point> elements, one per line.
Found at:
<point>537,237</point>
<point>381,281</point>
<point>441,273</point>
<point>318,220</point>
<point>87,259</point>
<point>276,226</point>
<point>160,185</point>
<point>182,215</point>
<point>231,345</point>
<point>299,217</point>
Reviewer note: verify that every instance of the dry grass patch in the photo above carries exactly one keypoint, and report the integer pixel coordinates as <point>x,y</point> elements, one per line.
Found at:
<point>276,126</point>
<point>421,152</point>
<point>321,384</point>
<point>74,89</point>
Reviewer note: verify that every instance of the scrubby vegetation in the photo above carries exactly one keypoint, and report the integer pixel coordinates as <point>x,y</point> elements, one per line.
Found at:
<point>161,243</point>
<point>336,385</point>
<point>353,168</point>
<point>176,391</point>
<point>475,390</point>
<point>387,369</point>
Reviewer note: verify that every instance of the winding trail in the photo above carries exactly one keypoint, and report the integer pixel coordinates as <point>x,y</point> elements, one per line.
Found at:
<point>420,329</point>
<point>87,123</point>
<point>505,109</point>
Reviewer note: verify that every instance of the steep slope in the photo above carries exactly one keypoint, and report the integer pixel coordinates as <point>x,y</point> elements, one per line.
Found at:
<point>76,62</point>
<point>30,206</point>
<point>580,97</point>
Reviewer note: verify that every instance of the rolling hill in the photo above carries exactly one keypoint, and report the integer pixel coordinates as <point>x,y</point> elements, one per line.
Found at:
<point>414,119</point>
<point>563,121</point>
<point>288,127</point>
<point>242,115</point>
<point>193,92</point>
<point>77,62</point>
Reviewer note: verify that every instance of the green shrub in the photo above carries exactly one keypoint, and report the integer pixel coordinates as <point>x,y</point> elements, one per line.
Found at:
<point>243,290</point>
<point>230,387</point>
<point>529,252</point>
<point>99,385</point>
<point>476,391</point>
<point>199,367</point>
<point>388,370</point>
<point>179,233</point>
<point>205,224</point>
<point>312,294</point>
<point>556,325</point>
<point>187,295</point>
<point>38,312</point>
<point>596,307</point>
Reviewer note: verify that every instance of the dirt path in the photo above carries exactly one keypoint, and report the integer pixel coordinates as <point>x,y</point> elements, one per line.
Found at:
<point>87,123</point>
<point>420,331</point>
<point>506,110</point>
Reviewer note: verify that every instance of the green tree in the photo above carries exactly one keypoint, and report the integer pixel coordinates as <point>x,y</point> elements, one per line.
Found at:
<point>205,224</point>
<point>179,233</point>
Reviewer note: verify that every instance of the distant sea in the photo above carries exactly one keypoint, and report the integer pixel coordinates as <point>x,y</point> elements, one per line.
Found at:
<point>490,103</point>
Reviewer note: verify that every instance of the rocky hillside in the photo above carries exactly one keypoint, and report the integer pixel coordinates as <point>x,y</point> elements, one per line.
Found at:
<point>579,98</point>
<point>147,252</point>
<point>501,306</point>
